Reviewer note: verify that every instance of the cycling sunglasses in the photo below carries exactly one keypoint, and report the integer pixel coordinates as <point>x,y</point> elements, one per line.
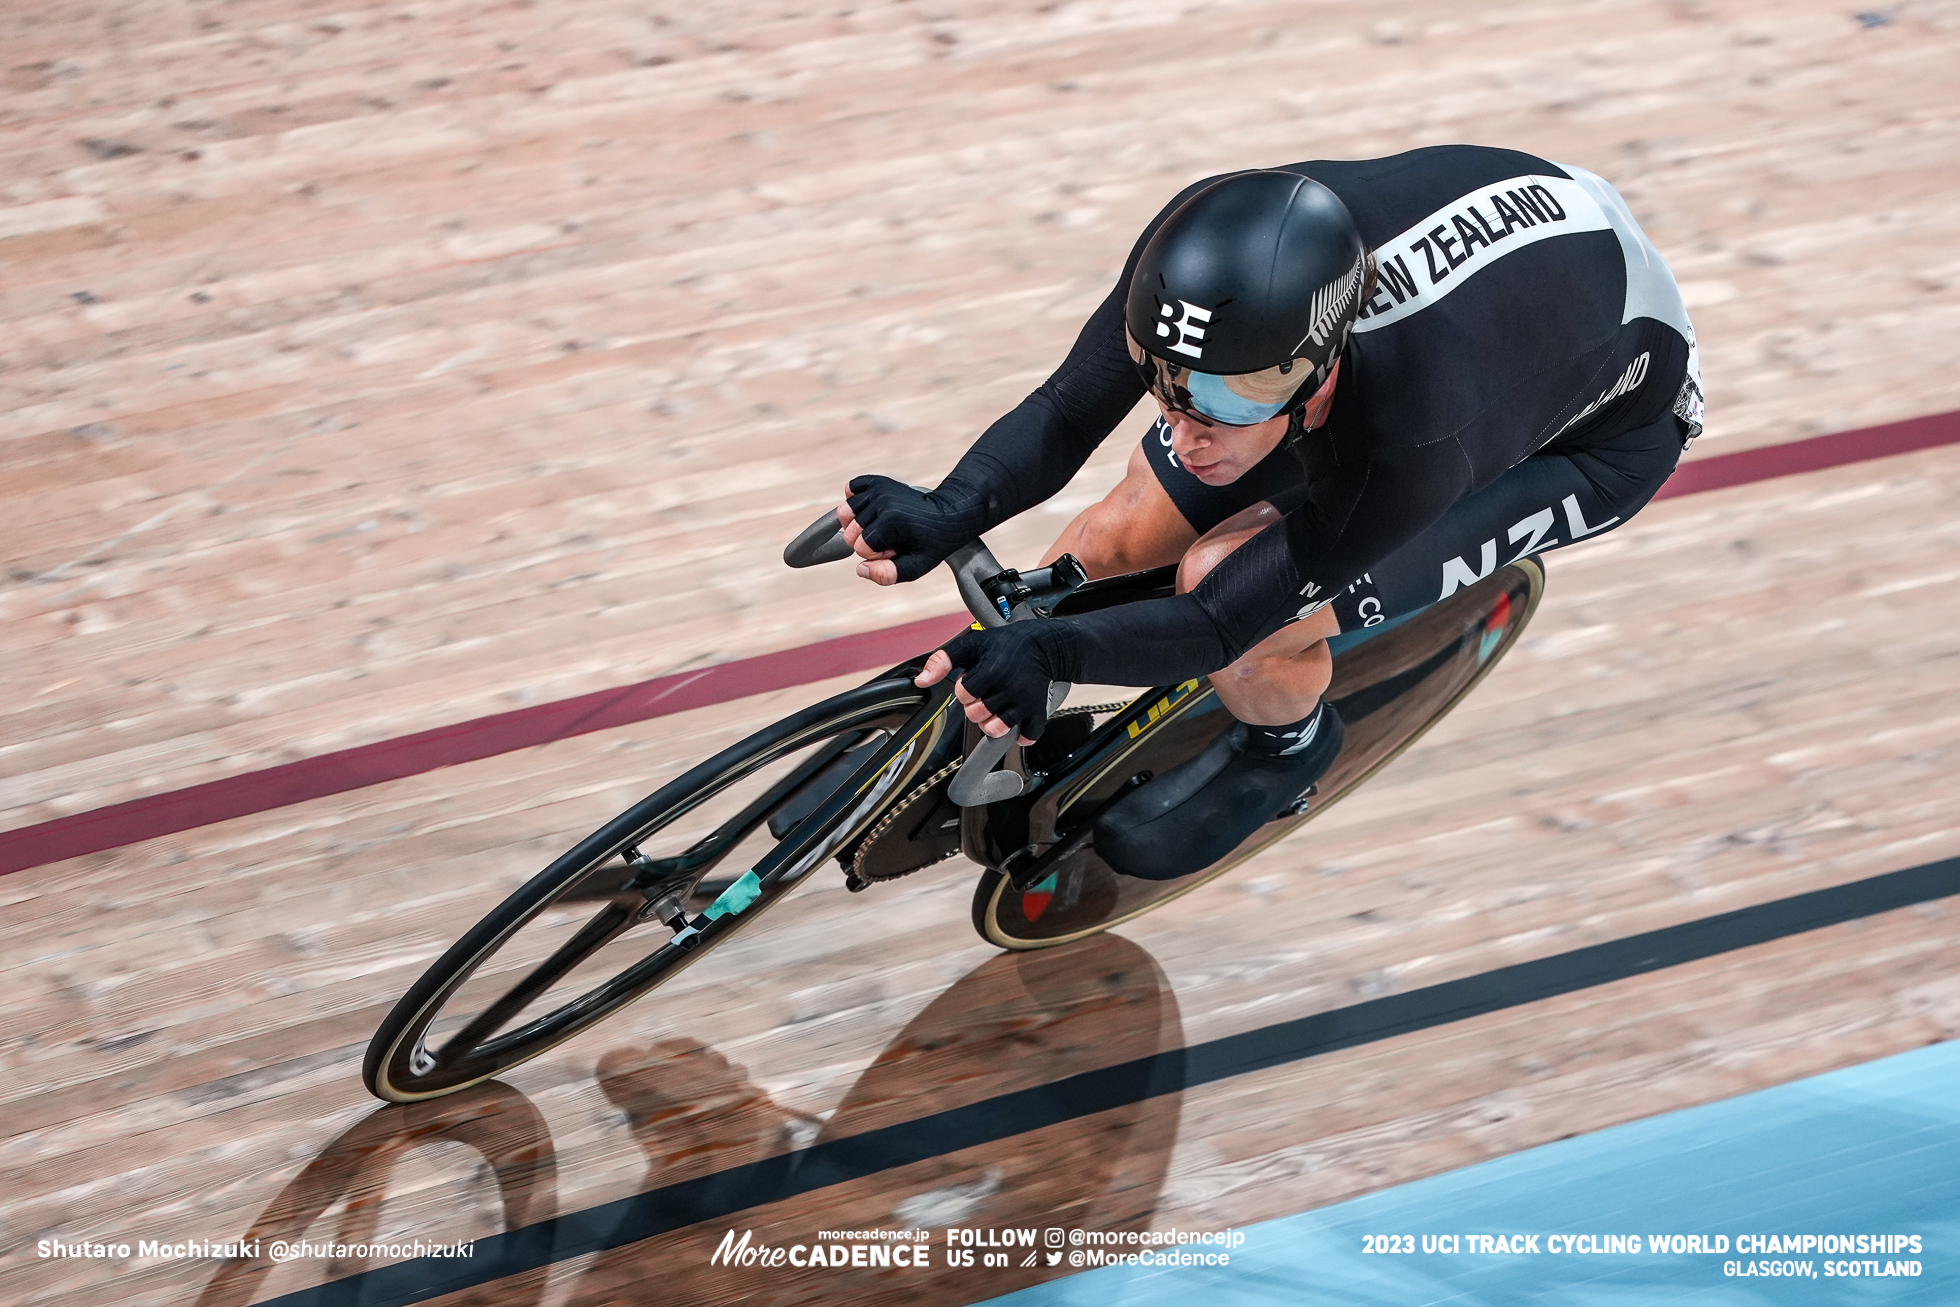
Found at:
<point>1243,400</point>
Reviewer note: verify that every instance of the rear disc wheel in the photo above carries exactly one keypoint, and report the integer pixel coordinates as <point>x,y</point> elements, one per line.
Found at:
<point>1389,687</point>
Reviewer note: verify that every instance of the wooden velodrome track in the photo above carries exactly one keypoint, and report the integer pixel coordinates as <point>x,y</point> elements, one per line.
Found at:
<point>366,368</point>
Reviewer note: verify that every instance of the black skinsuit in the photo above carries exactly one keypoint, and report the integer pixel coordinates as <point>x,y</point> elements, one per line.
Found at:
<point>1524,375</point>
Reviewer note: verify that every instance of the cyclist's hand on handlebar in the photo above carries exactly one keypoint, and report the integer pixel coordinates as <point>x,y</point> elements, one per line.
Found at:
<point>1006,674</point>
<point>872,566</point>
<point>901,533</point>
<point>982,716</point>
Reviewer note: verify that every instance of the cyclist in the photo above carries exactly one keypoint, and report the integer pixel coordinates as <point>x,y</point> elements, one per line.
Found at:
<point>1377,381</point>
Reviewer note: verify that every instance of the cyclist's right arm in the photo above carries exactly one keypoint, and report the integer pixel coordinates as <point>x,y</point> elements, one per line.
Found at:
<point>1022,459</point>
<point>1025,457</point>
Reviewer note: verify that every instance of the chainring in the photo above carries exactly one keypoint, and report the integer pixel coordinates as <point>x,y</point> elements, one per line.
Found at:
<point>912,835</point>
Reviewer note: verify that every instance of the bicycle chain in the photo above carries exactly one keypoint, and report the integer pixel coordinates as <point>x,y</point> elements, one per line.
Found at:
<point>1117,706</point>
<point>925,788</point>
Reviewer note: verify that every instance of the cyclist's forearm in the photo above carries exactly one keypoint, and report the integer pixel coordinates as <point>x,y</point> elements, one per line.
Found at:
<point>1151,643</point>
<point>1008,669</point>
<point>1023,459</point>
<point>1031,452</point>
<point>1247,597</point>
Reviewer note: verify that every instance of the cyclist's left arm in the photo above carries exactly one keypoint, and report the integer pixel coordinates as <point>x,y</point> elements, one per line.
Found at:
<point>1288,570</point>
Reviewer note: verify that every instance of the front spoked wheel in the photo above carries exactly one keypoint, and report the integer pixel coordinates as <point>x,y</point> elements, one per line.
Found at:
<point>654,889</point>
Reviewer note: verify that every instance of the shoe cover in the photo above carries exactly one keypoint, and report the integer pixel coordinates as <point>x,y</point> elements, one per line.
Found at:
<point>1199,811</point>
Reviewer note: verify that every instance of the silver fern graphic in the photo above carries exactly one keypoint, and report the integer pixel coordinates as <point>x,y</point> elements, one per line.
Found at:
<point>1330,304</point>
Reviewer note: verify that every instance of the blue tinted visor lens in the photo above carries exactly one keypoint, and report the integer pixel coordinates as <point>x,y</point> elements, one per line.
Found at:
<point>1221,399</point>
<point>1213,398</point>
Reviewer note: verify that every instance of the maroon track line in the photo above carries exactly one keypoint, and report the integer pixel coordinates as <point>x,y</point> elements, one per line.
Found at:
<point>485,737</point>
<point>1813,455</point>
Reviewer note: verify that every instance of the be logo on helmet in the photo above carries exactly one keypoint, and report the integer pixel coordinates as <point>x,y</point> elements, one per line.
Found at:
<point>1189,327</point>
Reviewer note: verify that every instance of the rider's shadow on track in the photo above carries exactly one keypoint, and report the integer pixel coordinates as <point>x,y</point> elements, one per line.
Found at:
<point>1015,1023</point>
<point>974,1065</point>
<point>356,1172</point>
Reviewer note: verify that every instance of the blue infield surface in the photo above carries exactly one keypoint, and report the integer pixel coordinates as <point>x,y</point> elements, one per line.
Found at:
<point>1871,1151</point>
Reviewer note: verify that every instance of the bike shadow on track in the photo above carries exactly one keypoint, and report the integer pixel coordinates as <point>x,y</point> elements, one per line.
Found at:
<point>1015,1023</point>
<point>356,1172</point>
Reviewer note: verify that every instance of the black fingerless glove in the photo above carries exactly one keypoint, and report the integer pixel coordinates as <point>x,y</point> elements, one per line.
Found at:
<point>920,528</point>
<point>1009,669</point>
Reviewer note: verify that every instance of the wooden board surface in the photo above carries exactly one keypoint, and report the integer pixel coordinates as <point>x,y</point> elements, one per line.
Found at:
<point>368,368</point>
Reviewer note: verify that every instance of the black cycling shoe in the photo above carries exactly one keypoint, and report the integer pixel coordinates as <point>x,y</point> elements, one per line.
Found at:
<point>1199,811</point>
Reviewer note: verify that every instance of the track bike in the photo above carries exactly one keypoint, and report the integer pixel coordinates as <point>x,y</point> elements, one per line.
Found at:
<point>885,780</point>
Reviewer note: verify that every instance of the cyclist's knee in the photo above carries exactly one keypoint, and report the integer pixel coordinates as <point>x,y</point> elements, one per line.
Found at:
<point>1110,541</point>
<point>1280,678</point>
<point>1219,542</point>
<point>1200,558</point>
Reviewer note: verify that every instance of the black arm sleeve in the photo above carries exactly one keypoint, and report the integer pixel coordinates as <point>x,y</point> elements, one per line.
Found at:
<point>1032,451</point>
<point>1359,515</point>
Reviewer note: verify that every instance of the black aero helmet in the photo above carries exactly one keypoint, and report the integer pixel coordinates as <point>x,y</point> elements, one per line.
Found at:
<point>1242,300</point>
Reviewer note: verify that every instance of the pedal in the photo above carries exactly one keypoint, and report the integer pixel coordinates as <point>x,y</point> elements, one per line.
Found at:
<point>1063,737</point>
<point>1300,804</point>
